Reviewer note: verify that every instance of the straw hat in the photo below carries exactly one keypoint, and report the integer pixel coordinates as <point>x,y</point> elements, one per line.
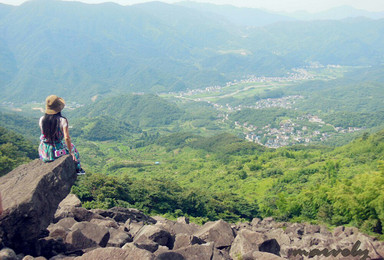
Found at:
<point>54,104</point>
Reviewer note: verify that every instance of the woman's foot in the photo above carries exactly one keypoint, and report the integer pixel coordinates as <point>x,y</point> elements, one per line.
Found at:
<point>80,172</point>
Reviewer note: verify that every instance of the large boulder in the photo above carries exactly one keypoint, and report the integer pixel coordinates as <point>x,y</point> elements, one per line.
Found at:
<point>86,235</point>
<point>114,253</point>
<point>248,241</point>
<point>197,252</point>
<point>257,255</point>
<point>184,240</point>
<point>79,214</point>
<point>118,238</point>
<point>179,227</point>
<point>154,234</point>
<point>7,254</point>
<point>31,194</point>
<point>219,232</point>
<point>123,214</point>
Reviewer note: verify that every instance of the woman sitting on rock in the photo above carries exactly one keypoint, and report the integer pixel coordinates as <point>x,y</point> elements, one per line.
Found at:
<point>55,138</point>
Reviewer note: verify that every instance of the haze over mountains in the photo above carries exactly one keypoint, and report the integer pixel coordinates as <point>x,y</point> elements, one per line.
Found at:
<point>84,50</point>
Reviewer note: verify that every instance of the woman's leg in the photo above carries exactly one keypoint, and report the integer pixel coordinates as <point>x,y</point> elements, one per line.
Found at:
<point>77,156</point>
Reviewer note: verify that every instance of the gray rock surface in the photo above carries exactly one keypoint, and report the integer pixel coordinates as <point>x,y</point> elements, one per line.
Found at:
<point>219,232</point>
<point>155,234</point>
<point>31,194</point>
<point>85,235</point>
<point>248,241</point>
<point>7,254</point>
<point>113,253</point>
<point>197,252</point>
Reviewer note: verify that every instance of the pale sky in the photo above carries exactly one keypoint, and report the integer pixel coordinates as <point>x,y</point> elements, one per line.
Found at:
<point>272,5</point>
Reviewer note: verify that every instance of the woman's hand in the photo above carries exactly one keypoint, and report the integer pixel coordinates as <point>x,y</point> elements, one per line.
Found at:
<point>74,158</point>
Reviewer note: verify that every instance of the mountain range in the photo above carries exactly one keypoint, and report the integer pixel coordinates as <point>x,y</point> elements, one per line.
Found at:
<point>80,51</point>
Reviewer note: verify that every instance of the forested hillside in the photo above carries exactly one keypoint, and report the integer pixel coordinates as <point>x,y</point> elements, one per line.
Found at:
<point>233,179</point>
<point>14,150</point>
<point>141,110</point>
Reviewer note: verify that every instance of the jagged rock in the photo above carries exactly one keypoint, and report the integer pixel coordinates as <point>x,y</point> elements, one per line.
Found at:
<point>70,201</point>
<point>338,230</point>
<point>295,230</point>
<point>183,220</point>
<point>267,221</point>
<point>318,240</point>
<point>58,232</point>
<point>114,253</point>
<point>184,240</point>
<point>87,235</point>
<point>61,228</point>
<point>255,222</point>
<point>280,236</point>
<point>219,232</point>
<point>379,246</point>
<point>311,229</point>
<point>221,254</point>
<point>66,223</point>
<point>349,231</point>
<point>50,247</point>
<point>257,255</point>
<point>107,222</point>
<point>248,241</point>
<point>170,256</point>
<point>236,228</point>
<point>79,214</point>
<point>155,234</point>
<point>147,245</point>
<point>7,254</point>
<point>366,244</point>
<point>122,215</point>
<point>174,227</point>
<point>133,227</point>
<point>118,238</point>
<point>197,252</point>
<point>31,195</point>
<point>161,249</point>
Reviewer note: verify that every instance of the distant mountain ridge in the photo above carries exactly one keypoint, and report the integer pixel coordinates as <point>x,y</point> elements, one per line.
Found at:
<point>337,13</point>
<point>238,15</point>
<point>82,50</point>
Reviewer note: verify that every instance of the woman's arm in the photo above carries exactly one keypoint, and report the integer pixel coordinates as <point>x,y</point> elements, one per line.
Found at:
<point>68,142</point>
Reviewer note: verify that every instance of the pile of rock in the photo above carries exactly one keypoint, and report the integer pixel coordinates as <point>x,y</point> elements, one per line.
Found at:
<point>120,233</point>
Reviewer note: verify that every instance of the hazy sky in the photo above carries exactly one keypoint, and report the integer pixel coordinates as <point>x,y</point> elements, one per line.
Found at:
<point>273,5</point>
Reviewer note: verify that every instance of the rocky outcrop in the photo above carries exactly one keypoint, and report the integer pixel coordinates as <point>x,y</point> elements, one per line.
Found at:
<point>75,233</point>
<point>31,194</point>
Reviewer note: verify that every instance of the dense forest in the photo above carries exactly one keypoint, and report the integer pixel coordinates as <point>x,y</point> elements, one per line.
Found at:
<point>14,150</point>
<point>209,178</point>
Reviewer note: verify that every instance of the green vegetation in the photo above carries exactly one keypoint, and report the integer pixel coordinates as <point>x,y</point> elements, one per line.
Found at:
<point>157,47</point>
<point>142,110</point>
<point>235,180</point>
<point>14,150</point>
<point>102,128</point>
<point>24,126</point>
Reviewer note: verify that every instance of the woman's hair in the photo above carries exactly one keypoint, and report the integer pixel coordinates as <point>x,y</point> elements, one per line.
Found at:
<point>51,127</point>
